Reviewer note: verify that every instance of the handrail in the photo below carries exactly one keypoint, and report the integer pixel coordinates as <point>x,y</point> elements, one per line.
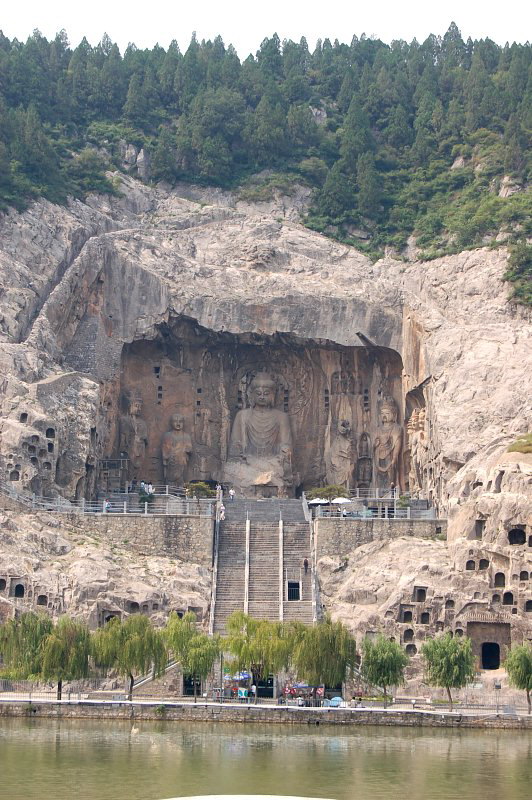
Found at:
<point>214,584</point>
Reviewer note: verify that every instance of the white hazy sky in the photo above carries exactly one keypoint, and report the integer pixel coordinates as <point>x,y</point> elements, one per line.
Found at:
<point>245,24</point>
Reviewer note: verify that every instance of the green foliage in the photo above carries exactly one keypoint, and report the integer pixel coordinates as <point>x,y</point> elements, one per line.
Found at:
<point>324,653</point>
<point>65,652</point>
<point>520,273</point>
<point>383,662</point>
<point>200,489</point>
<point>376,129</point>
<point>195,651</point>
<point>518,665</point>
<point>449,662</point>
<point>326,492</point>
<point>522,445</point>
<point>21,643</point>
<point>130,646</point>
<point>261,646</point>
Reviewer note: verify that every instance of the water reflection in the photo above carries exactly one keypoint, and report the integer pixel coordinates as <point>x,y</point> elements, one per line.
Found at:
<point>48,759</point>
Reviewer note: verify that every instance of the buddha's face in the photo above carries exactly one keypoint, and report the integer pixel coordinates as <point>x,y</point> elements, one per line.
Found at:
<point>176,421</point>
<point>135,407</point>
<point>387,415</point>
<point>262,394</point>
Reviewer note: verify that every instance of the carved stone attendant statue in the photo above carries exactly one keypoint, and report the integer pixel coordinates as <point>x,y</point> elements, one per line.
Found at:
<point>260,447</point>
<point>387,445</point>
<point>340,461</point>
<point>133,433</point>
<point>176,447</point>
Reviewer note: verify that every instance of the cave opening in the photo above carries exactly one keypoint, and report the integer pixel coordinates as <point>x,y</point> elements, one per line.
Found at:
<point>491,655</point>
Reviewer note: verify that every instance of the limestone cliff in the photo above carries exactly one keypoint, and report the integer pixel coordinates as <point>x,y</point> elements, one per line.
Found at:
<point>102,298</point>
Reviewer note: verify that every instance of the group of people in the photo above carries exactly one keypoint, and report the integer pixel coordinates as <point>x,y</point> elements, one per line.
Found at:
<point>144,487</point>
<point>220,494</point>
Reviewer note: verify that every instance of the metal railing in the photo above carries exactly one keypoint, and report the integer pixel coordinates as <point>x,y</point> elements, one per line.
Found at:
<point>119,503</point>
<point>386,512</point>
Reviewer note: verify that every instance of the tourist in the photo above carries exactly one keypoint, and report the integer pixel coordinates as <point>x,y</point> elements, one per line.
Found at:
<point>305,565</point>
<point>231,494</point>
<point>222,513</point>
<point>142,487</point>
<point>150,488</point>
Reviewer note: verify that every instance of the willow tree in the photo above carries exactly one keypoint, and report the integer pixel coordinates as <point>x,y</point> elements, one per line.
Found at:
<point>178,633</point>
<point>130,646</point>
<point>258,645</point>
<point>518,665</point>
<point>21,643</point>
<point>324,653</point>
<point>65,653</point>
<point>383,663</point>
<point>449,663</point>
<point>202,652</point>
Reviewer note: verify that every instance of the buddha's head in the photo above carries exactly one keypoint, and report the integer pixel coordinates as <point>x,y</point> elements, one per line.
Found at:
<point>177,422</point>
<point>388,411</point>
<point>262,391</point>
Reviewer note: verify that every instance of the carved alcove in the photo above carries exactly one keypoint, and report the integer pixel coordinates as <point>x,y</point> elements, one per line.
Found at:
<point>335,397</point>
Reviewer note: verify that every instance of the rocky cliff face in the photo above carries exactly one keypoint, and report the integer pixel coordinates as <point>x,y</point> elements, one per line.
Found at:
<point>85,289</point>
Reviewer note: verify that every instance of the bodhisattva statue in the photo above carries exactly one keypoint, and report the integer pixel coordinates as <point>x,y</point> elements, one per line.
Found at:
<point>176,447</point>
<point>260,446</point>
<point>340,461</point>
<point>133,434</point>
<point>387,445</point>
<point>417,441</point>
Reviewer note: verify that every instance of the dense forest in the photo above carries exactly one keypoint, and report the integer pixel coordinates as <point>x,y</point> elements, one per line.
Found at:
<point>428,139</point>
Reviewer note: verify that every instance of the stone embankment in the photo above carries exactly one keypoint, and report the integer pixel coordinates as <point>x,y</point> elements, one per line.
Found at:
<point>229,713</point>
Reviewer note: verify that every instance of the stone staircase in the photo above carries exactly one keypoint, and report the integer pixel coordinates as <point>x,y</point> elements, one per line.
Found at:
<point>231,572</point>
<point>264,571</point>
<point>296,547</point>
<point>263,591</point>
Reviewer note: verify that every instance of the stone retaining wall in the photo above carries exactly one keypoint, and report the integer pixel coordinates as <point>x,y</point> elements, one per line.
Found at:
<point>205,712</point>
<point>186,538</point>
<point>338,536</point>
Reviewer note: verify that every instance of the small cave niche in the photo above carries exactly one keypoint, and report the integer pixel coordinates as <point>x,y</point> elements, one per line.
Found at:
<point>420,594</point>
<point>407,616</point>
<point>476,596</point>
<point>449,604</point>
<point>425,618</point>
<point>516,536</point>
<point>23,417</point>
<point>528,605</point>
<point>47,465</point>
<point>499,580</point>
<point>480,524</point>
<point>50,447</point>
<point>470,565</point>
<point>19,590</point>
<point>32,448</point>
<point>35,439</point>
<point>523,575</point>
<point>483,563</point>
<point>42,453</point>
<point>3,584</point>
<point>155,607</point>
<point>458,632</point>
<point>411,650</point>
<point>508,599</point>
<point>145,608</point>
<point>133,607</point>
<point>14,475</point>
<point>408,635</point>
<point>50,433</point>
<point>35,461</point>
<point>496,598</point>
<point>42,600</point>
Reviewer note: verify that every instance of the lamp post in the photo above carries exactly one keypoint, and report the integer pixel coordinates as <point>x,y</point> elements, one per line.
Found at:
<point>497,687</point>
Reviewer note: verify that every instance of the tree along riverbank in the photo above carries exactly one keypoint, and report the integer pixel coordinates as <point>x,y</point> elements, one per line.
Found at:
<point>233,713</point>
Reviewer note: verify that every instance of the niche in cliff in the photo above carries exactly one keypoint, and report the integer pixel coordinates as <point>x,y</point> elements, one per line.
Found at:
<point>344,405</point>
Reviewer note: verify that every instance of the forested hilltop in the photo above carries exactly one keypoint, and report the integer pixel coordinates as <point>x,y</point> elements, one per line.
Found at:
<point>430,139</point>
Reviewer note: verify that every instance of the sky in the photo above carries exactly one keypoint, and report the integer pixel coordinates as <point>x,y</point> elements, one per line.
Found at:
<point>246,24</point>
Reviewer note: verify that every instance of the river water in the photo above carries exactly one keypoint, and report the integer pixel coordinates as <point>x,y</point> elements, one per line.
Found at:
<point>88,760</point>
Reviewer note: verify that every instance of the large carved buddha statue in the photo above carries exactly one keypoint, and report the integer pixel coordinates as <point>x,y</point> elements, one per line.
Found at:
<point>260,447</point>
<point>387,445</point>
<point>176,447</point>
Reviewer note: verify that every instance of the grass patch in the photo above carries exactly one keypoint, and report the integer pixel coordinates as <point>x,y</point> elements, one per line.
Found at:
<point>522,445</point>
